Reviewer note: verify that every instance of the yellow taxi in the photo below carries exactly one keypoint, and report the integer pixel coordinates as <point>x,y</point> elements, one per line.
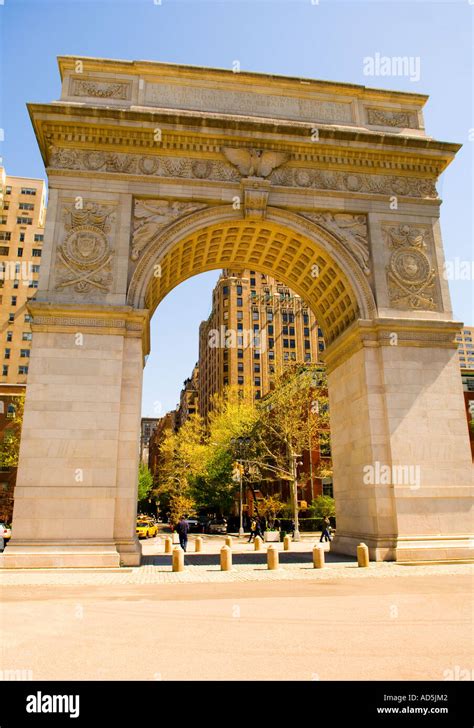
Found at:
<point>146,528</point>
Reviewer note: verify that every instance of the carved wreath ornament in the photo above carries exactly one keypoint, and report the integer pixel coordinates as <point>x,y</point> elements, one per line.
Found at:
<point>85,255</point>
<point>410,276</point>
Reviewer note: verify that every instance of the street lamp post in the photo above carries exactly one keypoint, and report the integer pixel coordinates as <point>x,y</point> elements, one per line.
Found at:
<point>295,463</point>
<point>240,444</point>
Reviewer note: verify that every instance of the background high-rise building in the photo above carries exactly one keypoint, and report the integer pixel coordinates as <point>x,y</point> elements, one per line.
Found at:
<point>465,340</point>
<point>189,397</point>
<point>22,219</point>
<point>265,326</point>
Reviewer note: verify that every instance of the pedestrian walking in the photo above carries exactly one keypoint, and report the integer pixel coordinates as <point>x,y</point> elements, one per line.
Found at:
<point>258,528</point>
<point>326,533</point>
<point>253,527</point>
<point>183,530</point>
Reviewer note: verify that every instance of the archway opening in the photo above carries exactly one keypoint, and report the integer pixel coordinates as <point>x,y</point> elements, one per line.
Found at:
<point>303,264</point>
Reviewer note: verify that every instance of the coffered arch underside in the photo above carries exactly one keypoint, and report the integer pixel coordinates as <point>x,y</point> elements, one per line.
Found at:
<point>307,259</point>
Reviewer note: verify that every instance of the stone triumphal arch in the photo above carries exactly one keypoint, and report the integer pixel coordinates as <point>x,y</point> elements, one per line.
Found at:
<point>158,172</point>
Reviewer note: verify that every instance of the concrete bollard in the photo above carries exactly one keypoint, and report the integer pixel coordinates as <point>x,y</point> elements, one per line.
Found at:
<point>272,558</point>
<point>287,542</point>
<point>226,558</point>
<point>178,559</point>
<point>362,555</point>
<point>198,544</point>
<point>168,545</point>
<point>318,557</point>
<point>228,541</point>
<point>258,543</point>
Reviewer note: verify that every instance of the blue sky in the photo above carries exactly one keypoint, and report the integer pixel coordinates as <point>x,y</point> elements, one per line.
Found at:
<point>328,40</point>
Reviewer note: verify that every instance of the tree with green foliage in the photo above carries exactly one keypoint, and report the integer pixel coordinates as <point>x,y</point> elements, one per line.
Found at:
<point>183,460</point>
<point>10,447</point>
<point>145,482</point>
<point>292,415</point>
<point>323,506</point>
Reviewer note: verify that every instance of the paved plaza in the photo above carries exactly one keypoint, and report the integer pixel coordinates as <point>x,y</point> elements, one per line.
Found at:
<point>389,621</point>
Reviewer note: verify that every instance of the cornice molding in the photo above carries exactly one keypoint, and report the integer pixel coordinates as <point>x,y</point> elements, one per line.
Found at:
<point>391,332</point>
<point>91,319</point>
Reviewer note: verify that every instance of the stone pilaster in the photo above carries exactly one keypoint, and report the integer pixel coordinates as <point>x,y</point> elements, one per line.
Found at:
<point>402,465</point>
<point>75,500</point>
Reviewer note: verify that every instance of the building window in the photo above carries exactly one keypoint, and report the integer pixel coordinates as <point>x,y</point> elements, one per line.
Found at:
<point>269,315</point>
<point>7,353</point>
<point>285,344</point>
<point>36,252</point>
<point>256,368</point>
<point>240,315</point>
<point>255,316</point>
<point>8,190</point>
<point>5,370</point>
<point>257,394</point>
<point>13,302</point>
<point>225,290</point>
<point>22,237</point>
<point>4,250</point>
<point>239,303</point>
<point>240,353</point>
<point>240,327</point>
<point>28,191</point>
<point>240,366</point>
<point>271,343</point>
<point>24,221</point>
<point>11,317</point>
<point>256,354</point>
<point>24,353</point>
<point>307,344</point>
<point>239,292</point>
<point>39,238</point>
<point>27,319</point>
<point>23,369</point>
<point>26,335</point>
<point>9,335</point>
<point>256,381</point>
<point>35,268</point>
<point>240,379</point>
<point>307,356</point>
<point>5,236</point>
<point>271,355</point>
<point>19,252</point>
<point>26,206</point>
<point>321,345</point>
<point>252,282</point>
<point>15,284</point>
<point>11,411</point>
<point>306,331</point>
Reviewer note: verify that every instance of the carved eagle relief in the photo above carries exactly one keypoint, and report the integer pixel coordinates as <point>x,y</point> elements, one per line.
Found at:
<point>255,162</point>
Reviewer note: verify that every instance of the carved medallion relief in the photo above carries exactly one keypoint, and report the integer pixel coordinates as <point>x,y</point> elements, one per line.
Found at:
<point>83,259</point>
<point>411,277</point>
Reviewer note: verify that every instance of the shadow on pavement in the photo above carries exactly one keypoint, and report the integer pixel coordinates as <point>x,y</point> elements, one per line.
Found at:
<point>256,559</point>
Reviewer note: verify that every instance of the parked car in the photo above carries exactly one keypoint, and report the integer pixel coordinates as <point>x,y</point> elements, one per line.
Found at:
<point>194,526</point>
<point>5,532</point>
<point>146,529</point>
<point>217,525</point>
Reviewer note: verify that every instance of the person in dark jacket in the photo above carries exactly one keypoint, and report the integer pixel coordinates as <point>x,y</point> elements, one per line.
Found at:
<point>183,530</point>
<point>326,534</point>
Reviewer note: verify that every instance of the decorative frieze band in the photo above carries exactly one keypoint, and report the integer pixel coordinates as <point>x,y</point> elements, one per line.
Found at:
<point>220,171</point>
